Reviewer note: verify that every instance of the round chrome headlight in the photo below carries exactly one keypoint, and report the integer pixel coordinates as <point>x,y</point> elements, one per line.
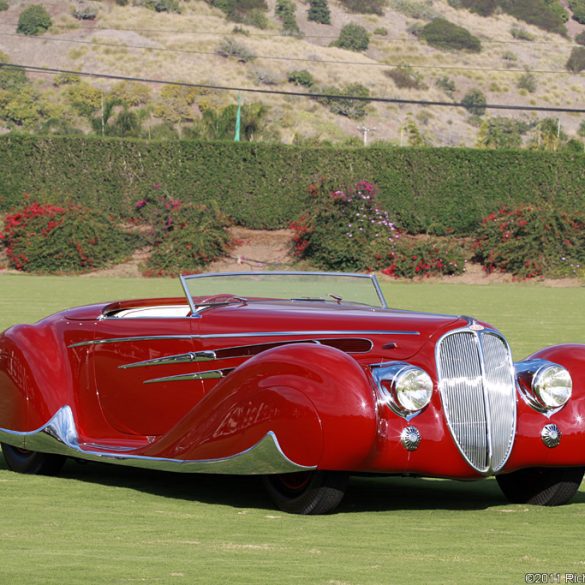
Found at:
<point>552,386</point>
<point>413,389</point>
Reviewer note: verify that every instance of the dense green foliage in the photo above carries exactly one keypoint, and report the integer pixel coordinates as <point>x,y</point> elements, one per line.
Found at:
<point>546,14</point>
<point>442,34</point>
<point>49,238</point>
<point>3,5</point>
<point>319,11</point>
<point>33,20</point>
<point>501,132</point>
<point>580,38</point>
<point>353,37</point>
<point>185,237</point>
<point>531,242</point>
<point>578,8</point>
<point>365,6</point>
<point>247,11</point>
<point>345,228</point>
<point>264,185</point>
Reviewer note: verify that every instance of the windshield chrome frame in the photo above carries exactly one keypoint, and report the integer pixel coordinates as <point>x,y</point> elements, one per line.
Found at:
<point>195,313</point>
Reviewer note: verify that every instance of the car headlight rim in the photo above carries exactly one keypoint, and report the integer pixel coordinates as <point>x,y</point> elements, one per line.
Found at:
<point>552,386</point>
<point>413,389</point>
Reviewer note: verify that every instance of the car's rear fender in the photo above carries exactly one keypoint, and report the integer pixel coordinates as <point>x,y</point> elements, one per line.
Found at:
<point>317,400</point>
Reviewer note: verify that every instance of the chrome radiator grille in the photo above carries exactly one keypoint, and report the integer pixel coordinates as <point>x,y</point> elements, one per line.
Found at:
<point>477,388</point>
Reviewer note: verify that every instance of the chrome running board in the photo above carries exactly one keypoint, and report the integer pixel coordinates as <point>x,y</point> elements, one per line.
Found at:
<point>59,436</point>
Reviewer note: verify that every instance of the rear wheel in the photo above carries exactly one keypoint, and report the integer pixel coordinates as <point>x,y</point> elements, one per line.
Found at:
<point>542,486</point>
<point>24,461</point>
<point>307,492</point>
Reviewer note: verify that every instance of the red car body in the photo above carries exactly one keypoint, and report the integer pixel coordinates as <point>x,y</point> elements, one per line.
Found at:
<point>285,388</point>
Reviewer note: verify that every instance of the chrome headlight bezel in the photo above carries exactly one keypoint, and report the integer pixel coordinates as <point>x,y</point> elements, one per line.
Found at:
<point>406,389</point>
<point>545,385</point>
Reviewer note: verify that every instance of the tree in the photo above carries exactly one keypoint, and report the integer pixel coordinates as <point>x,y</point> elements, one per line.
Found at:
<point>319,11</point>
<point>34,20</point>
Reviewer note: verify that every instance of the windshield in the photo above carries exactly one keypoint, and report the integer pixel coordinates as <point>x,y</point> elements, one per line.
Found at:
<point>301,286</point>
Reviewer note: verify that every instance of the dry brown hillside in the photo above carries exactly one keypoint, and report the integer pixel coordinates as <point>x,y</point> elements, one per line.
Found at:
<point>135,41</point>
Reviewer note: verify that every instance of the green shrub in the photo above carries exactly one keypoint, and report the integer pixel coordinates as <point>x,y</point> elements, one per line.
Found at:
<point>447,85</point>
<point>442,34</point>
<point>353,37</point>
<point>231,48</point>
<point>576,61</point>
<point>501,133</point>
<point>419,9</point>
<point>404,76</point>
<point>49,238</point>
<point>319,11</point>
<point>581,131</point>
<point>4,5</point>
<point>186,237</point>
<point>301,77</point>
<point>34,20</point>
<point>365,6</point>
<point>345,228</point>
<point>247,11</point>
<point>381,31</point>
<point>527,81</point>
<point>83,11</point>
<point>416,257</point>
<point>11,79</point>
<point>474,102</point>
<point>580,38</point>
<point>520,33</point>
<point>355,109</point>
<point>541,13</point>
<point>530,242</point>
<point>578,9</point>
<point>285,10</point>
<point>481,7</point>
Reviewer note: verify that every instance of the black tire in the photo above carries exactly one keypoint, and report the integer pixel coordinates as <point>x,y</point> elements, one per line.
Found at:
<point>541,486</point>
<point>24,461</point>
<point>307,492</point>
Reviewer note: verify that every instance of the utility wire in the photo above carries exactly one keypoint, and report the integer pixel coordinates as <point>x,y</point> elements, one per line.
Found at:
<point>292,59</point>
<point>53,71</point>
<point>283,35</point>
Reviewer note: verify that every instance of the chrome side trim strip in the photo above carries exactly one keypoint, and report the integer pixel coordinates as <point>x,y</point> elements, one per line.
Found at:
<point>237,336</point>
<point>183,358</point>
<point>59,436</point>
<point>247,351</point>
<point>208,375</point>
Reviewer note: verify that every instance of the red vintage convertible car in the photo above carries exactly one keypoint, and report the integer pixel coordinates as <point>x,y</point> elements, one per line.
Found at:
<point>303,378</point>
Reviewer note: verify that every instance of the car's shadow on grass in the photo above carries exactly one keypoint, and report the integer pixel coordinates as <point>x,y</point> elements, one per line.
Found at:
<point>364,494</point>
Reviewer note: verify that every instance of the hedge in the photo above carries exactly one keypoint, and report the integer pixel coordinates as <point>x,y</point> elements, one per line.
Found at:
<point>438,190</point>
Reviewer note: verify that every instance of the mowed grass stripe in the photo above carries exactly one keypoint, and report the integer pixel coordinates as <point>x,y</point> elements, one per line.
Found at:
<point>108,524</point>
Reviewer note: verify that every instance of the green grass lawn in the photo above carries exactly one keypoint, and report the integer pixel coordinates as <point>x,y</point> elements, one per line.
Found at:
<point>111,525</point>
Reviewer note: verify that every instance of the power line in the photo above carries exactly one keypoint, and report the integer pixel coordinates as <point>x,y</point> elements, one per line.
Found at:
<point>284,35</point>
<point>292,59</point>
<point>423,103</point>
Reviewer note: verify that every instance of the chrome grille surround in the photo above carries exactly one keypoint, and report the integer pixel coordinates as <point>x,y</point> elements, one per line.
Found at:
<point>478,391</point>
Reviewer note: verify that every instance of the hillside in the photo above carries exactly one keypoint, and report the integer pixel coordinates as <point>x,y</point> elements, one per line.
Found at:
<point>135,41</point>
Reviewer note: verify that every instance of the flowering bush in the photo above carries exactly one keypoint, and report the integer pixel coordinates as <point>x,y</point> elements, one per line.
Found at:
<point>71,238</point>
<point>343,228</point>
<point>530,242</point>
<point>412,258</point>
<point>185,237</point>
